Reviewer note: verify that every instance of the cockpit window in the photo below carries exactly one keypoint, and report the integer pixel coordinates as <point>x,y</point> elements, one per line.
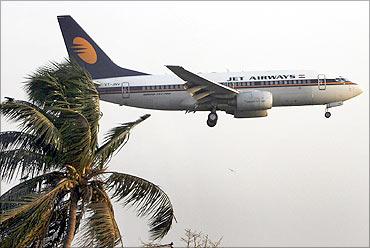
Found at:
<point>340,79</point>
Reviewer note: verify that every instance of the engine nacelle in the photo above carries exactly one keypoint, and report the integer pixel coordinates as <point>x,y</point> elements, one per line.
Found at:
<point>253,100</point>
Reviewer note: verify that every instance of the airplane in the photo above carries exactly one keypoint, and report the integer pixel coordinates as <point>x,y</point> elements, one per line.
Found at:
<point>241,94</point>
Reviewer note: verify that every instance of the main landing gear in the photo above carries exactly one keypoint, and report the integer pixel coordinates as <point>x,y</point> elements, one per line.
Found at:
<point>212,119</point>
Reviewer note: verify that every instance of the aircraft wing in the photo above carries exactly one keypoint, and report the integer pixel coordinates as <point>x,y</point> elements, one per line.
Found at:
<point>200,88</point>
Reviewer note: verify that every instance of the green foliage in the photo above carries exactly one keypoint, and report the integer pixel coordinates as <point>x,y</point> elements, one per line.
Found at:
<point>114,139</point>
<point>27,223</point>
<point>34,120</point>
<point>57,157</point>
<point>146,197</point>
<point>101,229</point>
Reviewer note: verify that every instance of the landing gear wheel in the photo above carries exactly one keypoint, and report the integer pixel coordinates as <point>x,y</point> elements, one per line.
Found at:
<point>212,117</point>
<point>327,114</point>
<point>211,123</point>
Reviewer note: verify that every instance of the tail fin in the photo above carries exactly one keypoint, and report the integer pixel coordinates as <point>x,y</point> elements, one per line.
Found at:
<point>88,54</point>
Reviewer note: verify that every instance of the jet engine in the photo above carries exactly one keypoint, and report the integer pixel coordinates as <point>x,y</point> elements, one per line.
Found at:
<point>253,103</point>
<point>253,100</point>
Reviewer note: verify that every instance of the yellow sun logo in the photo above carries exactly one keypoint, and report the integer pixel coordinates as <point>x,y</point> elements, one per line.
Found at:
<point>84,50</point>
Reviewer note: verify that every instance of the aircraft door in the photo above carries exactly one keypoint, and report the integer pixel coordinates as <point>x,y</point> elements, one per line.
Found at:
<point>321,81</point>
<point>125,89</point>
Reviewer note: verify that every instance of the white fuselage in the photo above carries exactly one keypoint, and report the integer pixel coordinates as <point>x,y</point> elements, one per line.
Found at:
<point>288,88</point>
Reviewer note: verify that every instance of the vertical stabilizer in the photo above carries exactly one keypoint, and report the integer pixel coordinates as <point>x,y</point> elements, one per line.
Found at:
<point>82,49</point>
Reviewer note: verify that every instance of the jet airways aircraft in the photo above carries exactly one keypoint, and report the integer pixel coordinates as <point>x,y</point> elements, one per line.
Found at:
<point>241,94</point>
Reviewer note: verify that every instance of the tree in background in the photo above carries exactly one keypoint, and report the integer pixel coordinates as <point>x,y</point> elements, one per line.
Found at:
<point>192,239</point>
<point>63,170</point>
<point>199,240</point>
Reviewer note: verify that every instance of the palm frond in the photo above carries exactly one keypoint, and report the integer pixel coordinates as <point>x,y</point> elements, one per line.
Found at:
<point>57,228</point>
<point>101,229</point>
<point>25,153</point>
<point>14,140</point>
<point>147,198</point>
<point>76,134</point>
<point>23,162</point>
<point>28,223</point>
<point>33,120</point>
<point>58,223</point>
<point>58,84</point>
<point>115,139</point>
<point>36,185</point>
<point>66,85</point>
<point>44,89</point>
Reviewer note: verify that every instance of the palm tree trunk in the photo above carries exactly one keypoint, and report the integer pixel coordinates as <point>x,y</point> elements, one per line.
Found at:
<point>71,221</point>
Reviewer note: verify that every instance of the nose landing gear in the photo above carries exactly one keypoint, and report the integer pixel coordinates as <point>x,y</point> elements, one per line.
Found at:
<point>212,119</point>
<point>331,105</point>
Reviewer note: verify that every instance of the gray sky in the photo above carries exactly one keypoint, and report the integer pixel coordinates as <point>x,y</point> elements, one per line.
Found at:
<point>301,179</point>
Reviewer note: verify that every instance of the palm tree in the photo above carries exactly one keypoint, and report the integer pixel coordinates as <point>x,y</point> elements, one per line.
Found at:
<point>65,180</point>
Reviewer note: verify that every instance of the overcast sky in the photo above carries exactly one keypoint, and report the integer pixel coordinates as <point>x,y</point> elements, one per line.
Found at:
<point>300,179</point>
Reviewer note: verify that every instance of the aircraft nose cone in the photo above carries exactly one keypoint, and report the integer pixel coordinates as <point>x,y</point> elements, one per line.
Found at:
<point>357,90</point>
